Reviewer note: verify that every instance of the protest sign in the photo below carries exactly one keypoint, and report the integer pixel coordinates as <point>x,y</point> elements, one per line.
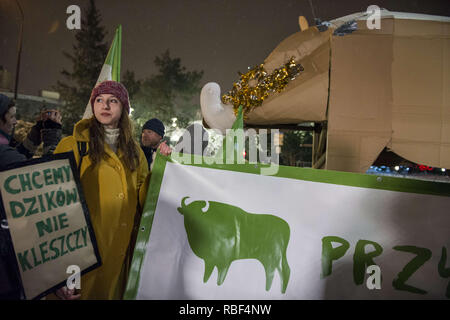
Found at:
<point>228,232</point>
<point>48,222</point>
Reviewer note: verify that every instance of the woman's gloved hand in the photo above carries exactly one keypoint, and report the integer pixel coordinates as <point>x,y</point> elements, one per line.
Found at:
<point>51,131</point>
<point>35,133</point>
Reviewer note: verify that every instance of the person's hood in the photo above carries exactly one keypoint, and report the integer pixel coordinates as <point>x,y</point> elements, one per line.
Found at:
<point>81,130</point>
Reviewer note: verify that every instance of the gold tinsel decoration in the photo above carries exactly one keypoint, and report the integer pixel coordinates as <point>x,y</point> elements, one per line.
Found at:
<point>256,85</point>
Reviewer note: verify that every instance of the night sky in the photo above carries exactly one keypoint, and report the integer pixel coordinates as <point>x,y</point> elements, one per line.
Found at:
<point>220,37</point>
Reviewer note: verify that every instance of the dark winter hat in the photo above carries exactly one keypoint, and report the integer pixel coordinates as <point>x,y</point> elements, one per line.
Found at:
<point>155,125</point>
<point>111,87</point>
<point>5,103</point>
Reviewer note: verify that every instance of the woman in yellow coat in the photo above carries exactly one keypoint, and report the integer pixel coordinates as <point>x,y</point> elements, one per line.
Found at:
<point>113,177</point>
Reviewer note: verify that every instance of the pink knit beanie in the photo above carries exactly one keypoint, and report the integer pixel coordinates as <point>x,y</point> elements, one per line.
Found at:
<point>111,87</point>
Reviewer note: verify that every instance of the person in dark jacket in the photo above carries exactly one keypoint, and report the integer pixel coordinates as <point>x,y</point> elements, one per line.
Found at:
<point>47,129</point>
<point>151,138</point>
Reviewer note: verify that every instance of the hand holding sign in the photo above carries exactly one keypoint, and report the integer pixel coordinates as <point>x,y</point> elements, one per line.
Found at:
<point>67,294</point>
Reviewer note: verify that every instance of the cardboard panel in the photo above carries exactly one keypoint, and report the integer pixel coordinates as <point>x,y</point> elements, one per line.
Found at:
<point>445,139</point>
<point>360,88</point>
<point>299,45</point>
<point>360,100</point>
<point>407,26</point>
<point>295,106</point>
<point>416,127</point>
<point>305,98</point>
<point>445,156</point>
<point>421,153</point>
<point>420,81</point>
<point>417,71</point>
<point>354,152</point>
<point>399,84</point>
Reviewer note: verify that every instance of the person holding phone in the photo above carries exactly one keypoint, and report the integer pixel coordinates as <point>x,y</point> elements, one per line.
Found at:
<point>47,129</point>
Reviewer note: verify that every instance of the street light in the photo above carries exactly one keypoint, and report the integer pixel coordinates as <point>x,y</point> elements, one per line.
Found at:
<point>19,49</point>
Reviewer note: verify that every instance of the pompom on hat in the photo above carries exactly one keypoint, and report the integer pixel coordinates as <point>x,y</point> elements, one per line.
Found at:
<point>109,87</point>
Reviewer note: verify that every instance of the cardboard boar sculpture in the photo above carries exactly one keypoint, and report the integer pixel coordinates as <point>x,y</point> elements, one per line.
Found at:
<point>374,88</point>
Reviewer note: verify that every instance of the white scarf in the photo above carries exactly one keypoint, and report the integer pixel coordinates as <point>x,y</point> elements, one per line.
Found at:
<point>111,138</point>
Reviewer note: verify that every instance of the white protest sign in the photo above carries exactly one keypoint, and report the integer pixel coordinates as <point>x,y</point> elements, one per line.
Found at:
<point>48,223</point>
<point>303,234</point>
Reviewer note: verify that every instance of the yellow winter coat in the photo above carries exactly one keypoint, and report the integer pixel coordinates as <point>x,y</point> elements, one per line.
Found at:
<point>112,194</point>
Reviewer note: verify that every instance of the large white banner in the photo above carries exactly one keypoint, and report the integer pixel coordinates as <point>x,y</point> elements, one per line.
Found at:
<point>275,237</point>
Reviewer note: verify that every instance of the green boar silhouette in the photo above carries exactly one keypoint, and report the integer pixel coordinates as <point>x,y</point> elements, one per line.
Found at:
<point>225,233</point>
